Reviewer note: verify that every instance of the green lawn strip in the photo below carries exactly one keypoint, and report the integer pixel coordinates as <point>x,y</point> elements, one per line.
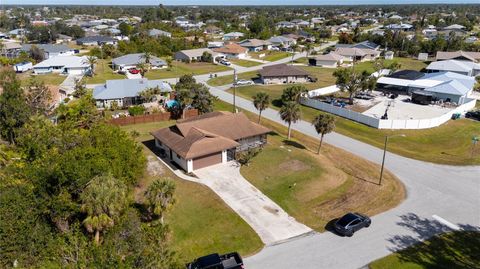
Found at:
<point>244,63</point>
<point>456,250</point>
<point>406,63</point>
<point>316,188</point>
<point>450,143</point>
<point>223,80</point>
<point>49,79</point>
<point>201,223</point>
<point>103,72</point>
<point>179,68</point>
<point>276,55</point>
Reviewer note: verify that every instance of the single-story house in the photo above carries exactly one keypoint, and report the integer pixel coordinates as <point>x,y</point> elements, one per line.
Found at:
<point>63,38</point>
<point>331,60</point>
<point>209,139</point>
<point>63,64</point>
<point>467,68</point>
<point>445,86</point>
<point>282,41</point>
<point>232,51</point>
<point>285,24</point>
<point>50,50</point>
<point>255,44</point>
<point>10,49</point>
<point>233,36</point>
<point>400,27</point>
<point>362,45</point>
<point>126,91</point>
<point>282,73</point>
<point>128,61</point>
<point>458,55</point>
<point>96,40</point>
<point>193,55</point>
<point>358,55</point>
<point>157,33</point>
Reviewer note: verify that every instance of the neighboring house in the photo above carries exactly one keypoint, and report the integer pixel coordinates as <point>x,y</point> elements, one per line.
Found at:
<point>430,33</point>
<point>282,73</point>
<point>362,45</point>
<point>467,68</point>
<point>97,40</point>
<point>23,67</point>
<point>63,39</point>
<point>63,64</point>
<point>215,44</point>
<point>330,60</point>
<point>193,55</point>
<point>400,27</point>
<point>285,24</point>
<point>125,92</point>
<point>356,54</point>
<point>389,55</point>
<point>255,44</point>
<point>458,55</point>
<point>282,41</point>
<point>10,49</point>
<point>128,61</point>
<point>232,51</point>
<point>233,36</point>
<point>442,86</point>
<point>209,139</point>
<point>50,50</point>
<point>300,23</point>
<point>157,33</point>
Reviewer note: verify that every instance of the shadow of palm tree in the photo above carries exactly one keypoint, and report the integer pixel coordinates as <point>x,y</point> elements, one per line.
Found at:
<point>293,144</point>
<point>459,249</point>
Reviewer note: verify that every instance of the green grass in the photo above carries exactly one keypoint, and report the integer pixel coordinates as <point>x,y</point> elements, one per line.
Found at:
<point>449,143</point>
<point>49,79</point>
<point>270,56</point>
<point>316,188</point>
<point>406,63</point>
<point>455,250</point>
<point>103,72</point>
<point>179,68</point>
<point>200,222</point>
<point>302,60</point>
<point>223,80</point>
<point>244,63</point>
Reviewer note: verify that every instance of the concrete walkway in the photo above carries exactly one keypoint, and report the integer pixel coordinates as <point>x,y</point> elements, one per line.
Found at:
<point>269,220</point>
<point>68,85</point>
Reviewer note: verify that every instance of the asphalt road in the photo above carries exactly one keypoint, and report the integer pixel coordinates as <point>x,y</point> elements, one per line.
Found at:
<point>439,198</point>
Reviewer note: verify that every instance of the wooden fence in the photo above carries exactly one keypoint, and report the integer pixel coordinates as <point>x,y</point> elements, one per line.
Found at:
<point>152,118</point>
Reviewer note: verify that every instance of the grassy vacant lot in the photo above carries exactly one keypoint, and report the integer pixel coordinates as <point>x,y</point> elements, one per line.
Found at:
<point>201,223</point>
<point>450,143</point>
<point>456,250</point>
<point>244,63</point>
<point>270,55</point>
<point>406,63</point>
<point>317,188</point>
<point>49,79</point>
<point>180,68</point>
<point>103,72</point>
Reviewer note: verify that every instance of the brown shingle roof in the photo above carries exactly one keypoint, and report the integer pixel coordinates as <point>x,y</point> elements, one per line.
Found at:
<point>208,133</point>
<point>447,55</point>
<point>231,49</point>
<point>282,70</point>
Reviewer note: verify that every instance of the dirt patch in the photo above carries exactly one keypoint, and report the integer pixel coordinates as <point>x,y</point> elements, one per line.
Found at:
<point>154,167</point>
<point>271,210</point>
<point>294,165</point>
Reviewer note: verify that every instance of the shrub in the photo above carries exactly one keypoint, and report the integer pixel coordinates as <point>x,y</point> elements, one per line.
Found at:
<point>136,110</point>
<point>245,157</point>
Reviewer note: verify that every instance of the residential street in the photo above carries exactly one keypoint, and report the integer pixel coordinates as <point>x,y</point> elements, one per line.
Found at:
<point>439,198</point>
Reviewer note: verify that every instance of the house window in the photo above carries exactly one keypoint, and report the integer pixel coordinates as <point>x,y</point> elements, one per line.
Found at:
<point>178,156</point>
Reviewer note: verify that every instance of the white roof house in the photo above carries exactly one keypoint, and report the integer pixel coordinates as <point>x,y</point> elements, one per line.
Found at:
<point>132,60</point>
<point>63,64</point>
<point>462,67</point>
<point>233,35</point>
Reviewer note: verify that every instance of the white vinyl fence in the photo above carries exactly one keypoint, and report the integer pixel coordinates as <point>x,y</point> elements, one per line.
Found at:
<point>387,124</point>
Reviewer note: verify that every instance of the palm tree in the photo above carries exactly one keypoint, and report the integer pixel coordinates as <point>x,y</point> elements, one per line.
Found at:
<point>159,197</point>
<point>147,56</point>
<point>143,68</point>
<point>91,61</point>
<point>261,101</point>
<point>103,199</point>
<point>324,124</point>
<point>294,48</point>
<point>308,48</point>
<point>290,113</point>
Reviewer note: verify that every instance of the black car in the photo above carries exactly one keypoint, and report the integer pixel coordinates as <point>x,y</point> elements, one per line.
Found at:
<point>473,115</point>
<point>216,261</point>
<point>350,223</point>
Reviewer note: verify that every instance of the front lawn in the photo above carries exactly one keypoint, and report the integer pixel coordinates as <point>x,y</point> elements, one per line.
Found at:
<point>456,250</point>
<point>244,63</point>
<point>48,79</point>
<point>200,222</point>
<point>317,188</point>
<point>270,55</point>
<point>180,68</point>
<point>103,72</point>
<point>405,63</point>
<point>450,143</point>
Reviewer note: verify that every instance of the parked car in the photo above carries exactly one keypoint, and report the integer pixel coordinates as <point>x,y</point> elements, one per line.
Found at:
<point>473,115</point>
<point>242,82</point>
<point>350,223</point>
<point>215,261</point>
<point>133,71</point>
<point>225,62</point>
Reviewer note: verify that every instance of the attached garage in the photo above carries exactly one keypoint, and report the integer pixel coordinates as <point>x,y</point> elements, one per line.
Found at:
<point>207,160</point>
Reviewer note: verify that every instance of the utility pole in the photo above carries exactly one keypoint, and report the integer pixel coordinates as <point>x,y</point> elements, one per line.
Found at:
<point>385,153</point>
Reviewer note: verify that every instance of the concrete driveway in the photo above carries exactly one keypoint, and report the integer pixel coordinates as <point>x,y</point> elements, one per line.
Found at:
<point>269,221</point>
